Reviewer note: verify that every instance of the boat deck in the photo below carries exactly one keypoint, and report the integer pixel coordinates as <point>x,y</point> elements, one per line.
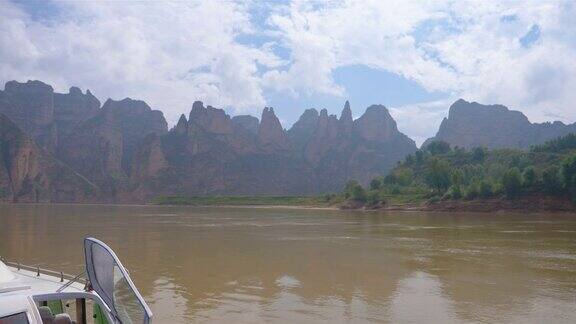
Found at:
<point>15,293</point>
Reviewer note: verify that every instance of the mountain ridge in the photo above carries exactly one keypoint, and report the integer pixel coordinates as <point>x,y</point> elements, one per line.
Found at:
<point>126,150</point>
<point>470,124</point>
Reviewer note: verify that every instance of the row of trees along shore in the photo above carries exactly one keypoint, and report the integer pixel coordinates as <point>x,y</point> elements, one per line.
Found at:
<point>441,172</point>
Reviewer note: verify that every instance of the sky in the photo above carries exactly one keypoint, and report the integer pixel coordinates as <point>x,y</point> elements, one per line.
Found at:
<point>414,57</point>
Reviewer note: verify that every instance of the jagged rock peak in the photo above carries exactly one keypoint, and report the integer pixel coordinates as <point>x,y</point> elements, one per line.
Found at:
<point>376,124</point>
<point>197,107</point>
<point>307,120</point>
<point>310,113</point>
<point>303,129</point>
<point>270,130</point>
<point>346,122</point>
<point>247,122</point>
<point>75,91</point>
<point>182,120</point>
<point>127,104</point>
<point>269,118</point>
<point>182,124</point>
<point>77,96</point>
<point>325,120</point>
<point>29,86</point>
<point>210,119</point>
<point>346,115</point>
<point>197,111</point>
<point>135,116</point>
<point>267,110</point>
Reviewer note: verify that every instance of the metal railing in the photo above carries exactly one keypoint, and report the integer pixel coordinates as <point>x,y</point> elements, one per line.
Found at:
<point>80,278</point>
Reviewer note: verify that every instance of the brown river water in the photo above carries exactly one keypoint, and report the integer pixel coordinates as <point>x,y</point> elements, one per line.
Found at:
<point>258,265</point>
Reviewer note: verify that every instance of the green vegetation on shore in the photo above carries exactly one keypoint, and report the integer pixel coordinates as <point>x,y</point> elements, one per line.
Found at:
<point>440,172</point>
<point>320,201</point>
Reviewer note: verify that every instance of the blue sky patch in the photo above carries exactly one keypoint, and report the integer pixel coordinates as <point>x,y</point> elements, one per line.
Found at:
<point>531,37</point>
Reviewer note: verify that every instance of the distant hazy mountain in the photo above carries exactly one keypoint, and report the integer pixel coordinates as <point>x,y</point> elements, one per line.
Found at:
<point>126,153</point>
<point>470,124</point>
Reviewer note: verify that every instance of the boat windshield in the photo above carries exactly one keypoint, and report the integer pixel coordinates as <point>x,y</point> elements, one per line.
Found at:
<point>112,282</point>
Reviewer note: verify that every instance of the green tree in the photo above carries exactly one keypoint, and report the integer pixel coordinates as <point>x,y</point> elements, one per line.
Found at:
<point>569,170</point>
<point>486,189</point>
<point>438,174</point>
<point>375,184</point>
<point>354,191</point>
<point>479,154</point>
<point>404,176</point>
<point>438,147</point>
<point>419,156</point>
<point>373,197</point>
<point>410,159</point>
<point>390,179</point>
<point>457,177</point>
<point>472,191</point>
<point>560,144</point>
<point>551,180</point>
<point>569,175</point>
<point>572,188</point>
<point>349,187</point>
<point>358,193</point>
<point>529,177</point>
<point>512,182</point>
<point>400,175</point>
<point>454,192</point>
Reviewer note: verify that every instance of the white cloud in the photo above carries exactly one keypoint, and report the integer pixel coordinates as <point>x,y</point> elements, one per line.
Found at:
<point>466,49</point>
<point>372,33</point>
<point>171,53</point>
<point>167,53</point>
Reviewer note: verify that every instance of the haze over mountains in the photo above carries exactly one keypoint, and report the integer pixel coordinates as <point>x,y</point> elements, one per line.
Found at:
<point>68,148</point>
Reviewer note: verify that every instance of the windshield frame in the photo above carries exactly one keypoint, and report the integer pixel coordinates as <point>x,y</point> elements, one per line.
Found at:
<point>88,242</point>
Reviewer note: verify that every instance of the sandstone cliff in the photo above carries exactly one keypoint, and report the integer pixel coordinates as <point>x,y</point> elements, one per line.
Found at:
<point>102,147</point>
<point>271,135</point>
<point>303,129</point>
<point>470,124</point>
<point>125,149</point>
<point>29,173</point>
<point>72,109</point>
<point>48,117</point>
<point>344,149</point>
<point>30,106</point>
<point>210,153</point>
<point>247,122</point>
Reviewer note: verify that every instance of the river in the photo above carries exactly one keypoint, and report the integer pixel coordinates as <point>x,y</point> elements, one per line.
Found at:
<point>259,265</point>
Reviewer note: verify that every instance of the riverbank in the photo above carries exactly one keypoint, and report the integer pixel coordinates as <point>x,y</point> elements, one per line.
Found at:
<point>529,204</point>
<point>249,201</point>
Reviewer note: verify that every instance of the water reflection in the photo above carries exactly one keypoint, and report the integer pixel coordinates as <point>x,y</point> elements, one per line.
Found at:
<point>267,265</point>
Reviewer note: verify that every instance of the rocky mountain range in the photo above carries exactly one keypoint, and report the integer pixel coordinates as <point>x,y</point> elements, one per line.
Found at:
<point>470,124</point>
<point>123,151</point>
<point>69,148</point>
